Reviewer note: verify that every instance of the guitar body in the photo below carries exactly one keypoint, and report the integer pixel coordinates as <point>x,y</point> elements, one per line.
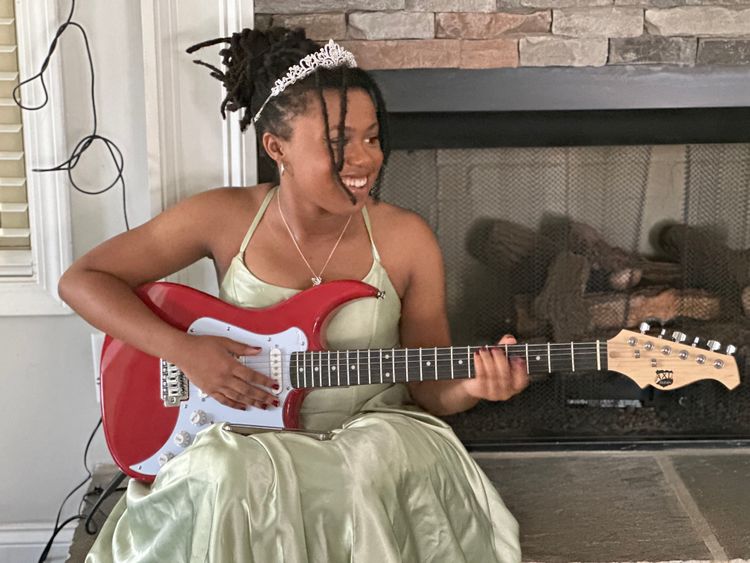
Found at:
<point>143,432</point>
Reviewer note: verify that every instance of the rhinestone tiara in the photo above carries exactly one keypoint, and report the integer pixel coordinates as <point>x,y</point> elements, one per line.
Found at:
<point>331,55</point>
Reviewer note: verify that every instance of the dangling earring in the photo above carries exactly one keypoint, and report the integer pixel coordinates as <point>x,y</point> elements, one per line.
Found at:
<point>281,169</point>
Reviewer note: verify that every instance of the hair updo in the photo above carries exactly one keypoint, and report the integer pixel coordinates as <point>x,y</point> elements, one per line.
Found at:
<point>254,60</point>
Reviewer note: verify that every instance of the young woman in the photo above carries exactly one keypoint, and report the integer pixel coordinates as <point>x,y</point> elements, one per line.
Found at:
<point>394,483</point>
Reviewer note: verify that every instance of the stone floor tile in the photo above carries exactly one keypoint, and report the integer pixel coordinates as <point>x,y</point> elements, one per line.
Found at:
<point>589,507</point>
<point>720,486</point>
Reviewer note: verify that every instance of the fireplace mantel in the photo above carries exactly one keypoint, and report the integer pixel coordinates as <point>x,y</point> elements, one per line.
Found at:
<point>616,105</point>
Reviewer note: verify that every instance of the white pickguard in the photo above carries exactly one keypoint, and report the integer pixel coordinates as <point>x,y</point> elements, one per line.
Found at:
<point>183,434</point>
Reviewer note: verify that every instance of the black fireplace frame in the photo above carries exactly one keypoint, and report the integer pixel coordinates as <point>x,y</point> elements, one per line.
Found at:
<point>524,107</point>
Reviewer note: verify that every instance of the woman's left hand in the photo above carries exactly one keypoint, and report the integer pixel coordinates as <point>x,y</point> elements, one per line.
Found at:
<point>497,378</point>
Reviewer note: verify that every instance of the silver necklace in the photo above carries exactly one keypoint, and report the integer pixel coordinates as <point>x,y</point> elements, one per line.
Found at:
<point>317,279</point>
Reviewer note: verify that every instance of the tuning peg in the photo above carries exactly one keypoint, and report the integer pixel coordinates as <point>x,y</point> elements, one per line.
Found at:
<point>695,341</point>
<point>662,333</point>
<point>731,349</point>
<point>713,345</point>
<point>678,336</point>
<point>644,328</point>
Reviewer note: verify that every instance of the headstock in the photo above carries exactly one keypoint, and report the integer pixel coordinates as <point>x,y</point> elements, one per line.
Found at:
<point>669,364</point>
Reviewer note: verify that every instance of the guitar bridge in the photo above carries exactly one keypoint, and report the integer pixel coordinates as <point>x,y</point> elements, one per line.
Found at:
<point>174,385</point>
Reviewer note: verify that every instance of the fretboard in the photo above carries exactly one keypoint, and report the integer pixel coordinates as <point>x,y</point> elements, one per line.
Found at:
<point>340,368</point>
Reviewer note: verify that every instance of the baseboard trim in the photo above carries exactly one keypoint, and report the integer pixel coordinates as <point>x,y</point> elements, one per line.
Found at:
<point>25,541</point>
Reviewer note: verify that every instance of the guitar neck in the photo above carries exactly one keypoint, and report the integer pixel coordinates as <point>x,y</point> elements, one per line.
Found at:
<point>340,368</point>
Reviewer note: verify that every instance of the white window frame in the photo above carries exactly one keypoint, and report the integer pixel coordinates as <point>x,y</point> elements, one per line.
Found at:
<point>48,196</point>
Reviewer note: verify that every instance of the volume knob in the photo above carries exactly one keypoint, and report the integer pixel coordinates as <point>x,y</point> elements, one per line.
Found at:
<point>183,439</point>
<point>199,418</point>
<point>164,458</point>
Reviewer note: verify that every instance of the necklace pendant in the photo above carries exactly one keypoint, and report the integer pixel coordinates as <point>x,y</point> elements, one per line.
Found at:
<point>317,280</point>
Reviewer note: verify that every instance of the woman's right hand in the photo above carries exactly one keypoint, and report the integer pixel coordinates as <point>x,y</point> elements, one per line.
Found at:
<point>212,364</point>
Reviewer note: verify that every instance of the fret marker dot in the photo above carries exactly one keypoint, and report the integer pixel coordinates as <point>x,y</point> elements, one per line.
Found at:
<point>301,370</point>
<point>387,374</point>
<point>316,369</point>
<point>538,358</point>
<point>333,368</point>
<point>429,363</point>
<point>352,368</point>
<point>460,362</point>
<point>387,357</point>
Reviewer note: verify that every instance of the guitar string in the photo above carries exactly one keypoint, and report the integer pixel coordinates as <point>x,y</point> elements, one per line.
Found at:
<point>443,352</point>
<point>457,352</point>
<point>402,361</point>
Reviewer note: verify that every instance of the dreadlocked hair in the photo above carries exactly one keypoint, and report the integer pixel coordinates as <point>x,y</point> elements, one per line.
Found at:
<point>253,60</point>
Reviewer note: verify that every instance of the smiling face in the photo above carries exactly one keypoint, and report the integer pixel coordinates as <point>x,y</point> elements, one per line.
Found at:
<point>309,169</point>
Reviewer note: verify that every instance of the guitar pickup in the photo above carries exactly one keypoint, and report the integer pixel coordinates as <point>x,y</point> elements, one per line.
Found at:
<point>276,368</point>
<point>174,385</point>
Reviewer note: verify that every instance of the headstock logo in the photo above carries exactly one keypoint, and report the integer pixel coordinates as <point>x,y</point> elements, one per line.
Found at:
<point>664,377</point>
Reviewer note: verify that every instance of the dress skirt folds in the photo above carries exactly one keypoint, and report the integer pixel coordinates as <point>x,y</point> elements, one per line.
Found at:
<point>393,484</point>
<point>390,486</point>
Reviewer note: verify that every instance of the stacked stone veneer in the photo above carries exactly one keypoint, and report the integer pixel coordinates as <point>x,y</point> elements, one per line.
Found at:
<point>510,33</point>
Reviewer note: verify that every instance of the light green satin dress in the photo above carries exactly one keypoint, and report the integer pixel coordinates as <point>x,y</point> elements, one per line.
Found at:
<point>393,484</point>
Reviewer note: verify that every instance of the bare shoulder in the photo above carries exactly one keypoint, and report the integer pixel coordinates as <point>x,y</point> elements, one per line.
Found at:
<point>406,244</point>
<point>224,215</point>
<point>398,225</point>
<point>233,200</point>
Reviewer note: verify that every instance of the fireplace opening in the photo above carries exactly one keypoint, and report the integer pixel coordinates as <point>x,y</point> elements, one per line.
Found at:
<point>576,243</point>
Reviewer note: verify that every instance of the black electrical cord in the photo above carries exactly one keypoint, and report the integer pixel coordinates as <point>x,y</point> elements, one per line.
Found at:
<point>85,143</point>
<point>59,526</point>
<point>68,166</point>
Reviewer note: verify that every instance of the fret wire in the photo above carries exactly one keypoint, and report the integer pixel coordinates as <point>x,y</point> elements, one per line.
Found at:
<point>369,368</point>
<point>338,368</point>
<point>468,360</point>
<point>381,365</point>
<point>304,370</point>
<point>436,359</point>
<point>320,368</point>
<point>598,357</point>
<point>572,357</point>
<point>549,359</point>
<point>359,363</point>
<point>452,374</point>
<point>420,365</point>
<point>393,361</point>
<point>527,358</point>
<point>406,361</point>
<point>329,368</point>
<point>348,382</point>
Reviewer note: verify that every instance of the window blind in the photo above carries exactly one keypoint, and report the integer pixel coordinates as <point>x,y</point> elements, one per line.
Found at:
<point>15,234</point>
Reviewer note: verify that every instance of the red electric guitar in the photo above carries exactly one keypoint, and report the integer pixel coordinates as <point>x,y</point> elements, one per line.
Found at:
<point>152,412</point>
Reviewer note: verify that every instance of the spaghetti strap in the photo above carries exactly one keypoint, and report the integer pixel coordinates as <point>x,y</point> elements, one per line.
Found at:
<point>258,217</point>
<point>366,217</point>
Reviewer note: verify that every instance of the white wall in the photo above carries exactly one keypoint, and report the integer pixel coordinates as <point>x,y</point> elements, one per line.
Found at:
<point>48,402</point>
